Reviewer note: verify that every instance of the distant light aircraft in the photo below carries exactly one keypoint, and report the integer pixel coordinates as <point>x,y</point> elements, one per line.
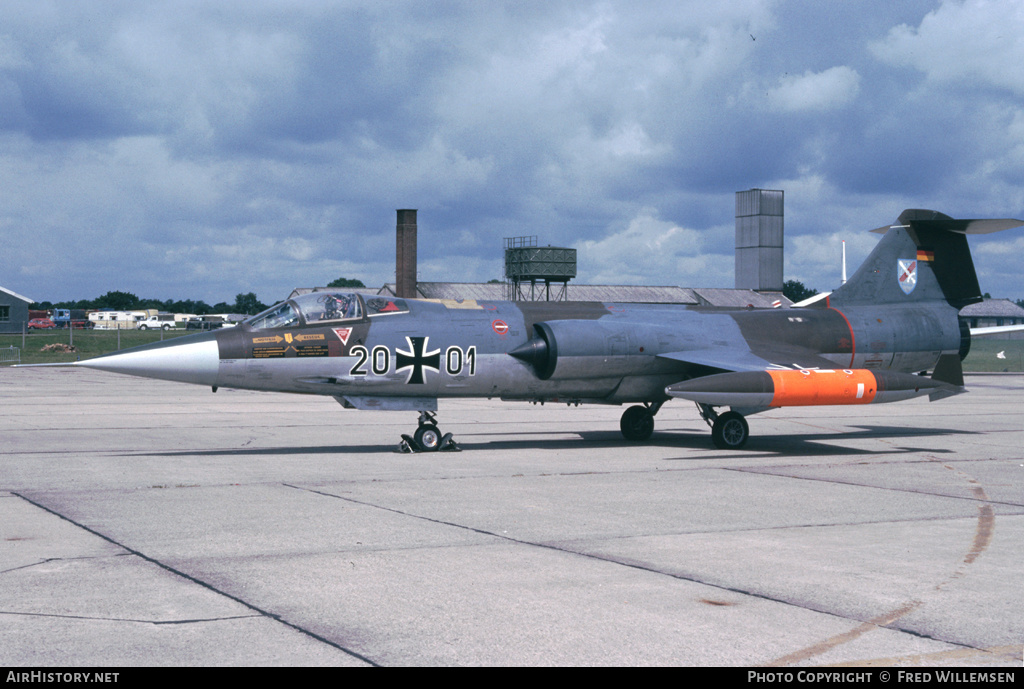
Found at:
<point>896,316</point>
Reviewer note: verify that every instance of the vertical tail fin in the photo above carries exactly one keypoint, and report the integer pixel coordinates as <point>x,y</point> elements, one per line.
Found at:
<point>923,257</point>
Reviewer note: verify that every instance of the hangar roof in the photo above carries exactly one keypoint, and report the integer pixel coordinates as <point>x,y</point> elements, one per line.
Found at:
<point>635,294</point>
<point>17,296</point>
<point>496,291</point>
<point>993,308</point>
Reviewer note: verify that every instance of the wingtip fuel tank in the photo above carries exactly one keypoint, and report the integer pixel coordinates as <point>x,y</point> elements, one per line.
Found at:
<point>805,387</point>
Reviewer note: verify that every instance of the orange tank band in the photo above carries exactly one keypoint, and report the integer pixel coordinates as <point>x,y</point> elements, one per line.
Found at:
<point>810,387</point>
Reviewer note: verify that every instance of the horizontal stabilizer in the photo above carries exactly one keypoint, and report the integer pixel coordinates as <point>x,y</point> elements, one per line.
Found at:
<point>947,224</point>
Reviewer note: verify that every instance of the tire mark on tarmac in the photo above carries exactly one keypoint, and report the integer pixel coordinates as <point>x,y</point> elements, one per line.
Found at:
<point>982,538</point>
<point>96,618</point>
<point>200,582</point>
<point>884,619</point>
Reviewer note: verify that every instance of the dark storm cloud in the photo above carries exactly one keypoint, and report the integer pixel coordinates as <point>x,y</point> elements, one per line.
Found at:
<point>230,147</point>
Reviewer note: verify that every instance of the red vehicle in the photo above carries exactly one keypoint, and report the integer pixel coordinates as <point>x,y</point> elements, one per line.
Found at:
<point>41,324</point>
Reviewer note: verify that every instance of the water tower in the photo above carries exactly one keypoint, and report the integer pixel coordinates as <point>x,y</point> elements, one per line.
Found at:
<point>531,270</point>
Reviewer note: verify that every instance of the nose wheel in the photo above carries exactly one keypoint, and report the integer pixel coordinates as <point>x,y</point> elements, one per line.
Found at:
<point>428,437</point>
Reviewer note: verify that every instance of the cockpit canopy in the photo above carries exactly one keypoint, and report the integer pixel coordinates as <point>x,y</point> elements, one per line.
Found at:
<point>325,307</point>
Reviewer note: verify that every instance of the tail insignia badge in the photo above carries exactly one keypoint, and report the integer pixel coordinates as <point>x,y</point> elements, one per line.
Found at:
<point>907,272</point>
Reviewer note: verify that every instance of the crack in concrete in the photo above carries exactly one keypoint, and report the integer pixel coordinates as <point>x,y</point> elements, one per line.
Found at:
<point>200,582</point>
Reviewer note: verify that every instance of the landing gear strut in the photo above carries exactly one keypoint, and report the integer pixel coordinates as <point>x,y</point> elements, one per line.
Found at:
<point>428,437</point>
<point>637,422</point>
<point>729,431</point>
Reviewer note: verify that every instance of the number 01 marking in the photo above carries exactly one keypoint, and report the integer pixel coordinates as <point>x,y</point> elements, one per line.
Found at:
<point>456,360</point>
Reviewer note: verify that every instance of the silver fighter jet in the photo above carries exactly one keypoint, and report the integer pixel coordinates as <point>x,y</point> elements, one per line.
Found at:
<point>866,343</point>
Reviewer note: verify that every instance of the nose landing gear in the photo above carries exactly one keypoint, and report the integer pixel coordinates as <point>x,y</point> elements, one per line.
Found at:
<point>428,437</point>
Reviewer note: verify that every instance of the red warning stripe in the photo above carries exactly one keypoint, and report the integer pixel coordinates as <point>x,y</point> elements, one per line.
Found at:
<point>853,338</point>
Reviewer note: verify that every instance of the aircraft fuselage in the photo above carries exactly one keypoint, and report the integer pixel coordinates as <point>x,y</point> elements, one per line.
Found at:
<point>610,353</point>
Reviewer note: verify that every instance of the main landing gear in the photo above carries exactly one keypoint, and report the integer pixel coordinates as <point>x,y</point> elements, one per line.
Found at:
<point>729,431</point>
<point>428,437</point>
<point>637,422</point>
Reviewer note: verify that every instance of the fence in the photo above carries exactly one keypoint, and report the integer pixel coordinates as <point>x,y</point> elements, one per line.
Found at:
<point>10,355</point>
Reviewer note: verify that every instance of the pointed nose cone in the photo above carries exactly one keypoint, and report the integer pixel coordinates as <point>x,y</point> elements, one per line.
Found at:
<point>189,359</point>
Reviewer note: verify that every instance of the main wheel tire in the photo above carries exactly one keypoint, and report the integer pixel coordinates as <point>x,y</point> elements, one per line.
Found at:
<point>428,438</point>
<point>637,423</point>
<point>730,431</point>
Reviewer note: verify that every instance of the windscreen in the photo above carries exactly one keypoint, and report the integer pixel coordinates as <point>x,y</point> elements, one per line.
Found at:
<point>313,308</point>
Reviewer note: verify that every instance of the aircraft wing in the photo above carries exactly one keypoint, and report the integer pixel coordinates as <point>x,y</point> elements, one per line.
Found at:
<point>810,301</point>
<point>742,359</point>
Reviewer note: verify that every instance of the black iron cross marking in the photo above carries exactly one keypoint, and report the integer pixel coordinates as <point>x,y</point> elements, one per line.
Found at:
<point>417,358</point>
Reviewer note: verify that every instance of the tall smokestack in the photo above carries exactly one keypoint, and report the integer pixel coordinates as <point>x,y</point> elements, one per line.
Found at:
<point>405,255</point>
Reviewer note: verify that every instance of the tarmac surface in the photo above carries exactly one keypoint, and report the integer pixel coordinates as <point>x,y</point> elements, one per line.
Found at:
<point>153,523</point>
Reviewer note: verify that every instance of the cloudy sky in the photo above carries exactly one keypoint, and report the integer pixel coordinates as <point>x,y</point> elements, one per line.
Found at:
<point>201,149</point>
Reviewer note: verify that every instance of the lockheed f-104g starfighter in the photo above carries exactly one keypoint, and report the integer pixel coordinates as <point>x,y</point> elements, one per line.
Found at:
<point>866,343</point>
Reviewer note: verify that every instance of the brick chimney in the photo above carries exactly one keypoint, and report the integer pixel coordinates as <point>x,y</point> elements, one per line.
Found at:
<point>405,254</point>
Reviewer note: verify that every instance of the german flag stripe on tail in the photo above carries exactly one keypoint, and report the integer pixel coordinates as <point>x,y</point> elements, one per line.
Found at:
<point>925,255</point>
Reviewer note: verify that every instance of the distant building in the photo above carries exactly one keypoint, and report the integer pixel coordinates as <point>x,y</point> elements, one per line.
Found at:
<point>758,259</point>
<point>13,311</point>
<point>494,291</point>
<point>628,294</point>
<point>759,240</point>
<point>994,312</point>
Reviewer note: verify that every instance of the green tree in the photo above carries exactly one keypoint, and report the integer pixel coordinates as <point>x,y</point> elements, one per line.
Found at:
<point>118,301</point>
<point>248,303</point>
<point>187,306</point>
<point>795,291</point>
<point>346,282</point>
